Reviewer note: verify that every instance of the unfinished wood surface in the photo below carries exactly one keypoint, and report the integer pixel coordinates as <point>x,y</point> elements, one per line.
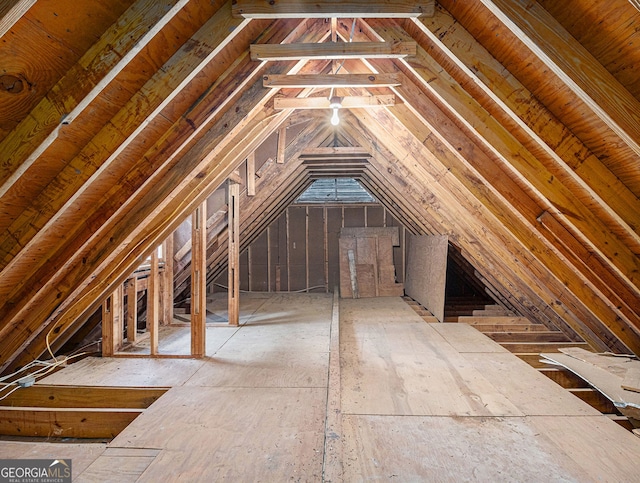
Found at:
<point>607,382</point>
<point>121,464</point>
<point>325,102</point>
<point>465,338</point>
<point>233,252</point>
<point>484,449</point>
<point>304,81</point>
<point>631,380</point>
<point>427,272</point>
<point>332,8</point>
<point>326,50</point>
<point>198,280</point>
<point>132,309</point>
<point>153,302</point>
<point>49,396</point>
<point>395,363</point>
<point>64,423</point>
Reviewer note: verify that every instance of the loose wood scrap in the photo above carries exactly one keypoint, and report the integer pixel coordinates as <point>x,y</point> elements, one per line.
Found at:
<point>601,378</point>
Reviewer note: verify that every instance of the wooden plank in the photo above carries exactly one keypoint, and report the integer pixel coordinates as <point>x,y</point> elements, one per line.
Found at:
<point>331,8</point>
<point>234,254</point>
<point>107,327</point>
<point>332,50</point>
<point>251,174</point>
<point>360,232</point>
<point>465,338</point>
<point>563,377</point>
<point>530,336</point>
<point>11,11</point>
<point>125,465</point>
<point>199,281</point>
<point>108,57</point>
<point>153,302</point>
<point>595,399</point>
<point>395,364</point>
<point>167,281</point>
<point>132,309</point>
<point>353,276</point>
<point>61,423</point>
<point>117,309</point>
<point>282,145</point>
<point>538,347</point>
<point>305,81</point>
<point>608,383</point>
<point>332,467</point>
<point>513,328</point>
<point>324,102</point>
<point>427,272</point>
<point>631,381</point>
<point>50,396</point>
<point>580,71</point>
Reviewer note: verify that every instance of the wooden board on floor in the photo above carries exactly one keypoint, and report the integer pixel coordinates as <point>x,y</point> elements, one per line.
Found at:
<point>410,448</point>
<point>465,338</point>
<point>631,381</point>
<point>95,371</point>
<point>531,392</point>
<point>237,434</point>
<point>118,464</point>
<point>408,368</point>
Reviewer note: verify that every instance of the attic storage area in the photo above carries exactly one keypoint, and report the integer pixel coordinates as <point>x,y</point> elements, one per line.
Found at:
<point>160,248</point>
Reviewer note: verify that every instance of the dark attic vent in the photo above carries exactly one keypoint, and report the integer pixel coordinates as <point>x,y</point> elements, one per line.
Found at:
<point>336,190</point>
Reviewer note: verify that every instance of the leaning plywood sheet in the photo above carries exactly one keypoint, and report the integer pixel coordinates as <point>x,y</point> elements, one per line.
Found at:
<point>608,383</point>
<point>427,272</point>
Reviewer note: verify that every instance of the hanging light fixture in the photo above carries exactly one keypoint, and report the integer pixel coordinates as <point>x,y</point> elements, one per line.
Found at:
<point>335,104</point>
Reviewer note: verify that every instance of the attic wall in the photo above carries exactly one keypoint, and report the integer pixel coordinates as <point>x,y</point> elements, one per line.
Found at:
<point>299,250</point>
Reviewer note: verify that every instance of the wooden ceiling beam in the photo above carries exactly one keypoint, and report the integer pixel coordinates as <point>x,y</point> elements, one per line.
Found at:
<point>574,65</point>
<point>307,81</point>
<point>332,50</point>
<point>331,8</point>
<point>325,102</point>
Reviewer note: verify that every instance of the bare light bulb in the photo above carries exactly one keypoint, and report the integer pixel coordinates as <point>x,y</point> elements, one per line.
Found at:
<point>335,120</point>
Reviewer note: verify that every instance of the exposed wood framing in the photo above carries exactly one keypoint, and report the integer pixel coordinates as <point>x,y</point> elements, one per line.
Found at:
<point>324,102</point>
<point>341,50</point>
<point>304,81</point>
<point>199,281</point>
<point>233,254</point>
<point>153,302</point>
<point>331,8</point>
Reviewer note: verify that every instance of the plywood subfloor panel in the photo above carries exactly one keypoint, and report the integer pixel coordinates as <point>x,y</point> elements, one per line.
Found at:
<point>176,340</point>
<point>445,449</point>
<point>82,455</point>
<point>118,465</point>
<point>397,367</point>
<point>251,368</point>
<point>530,391</point>
<point>465,338</point>
<point>237,434</point>
<point>96,371</point>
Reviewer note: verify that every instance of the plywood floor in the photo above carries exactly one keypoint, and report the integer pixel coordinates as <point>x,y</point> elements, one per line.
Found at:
<point>416,402</point>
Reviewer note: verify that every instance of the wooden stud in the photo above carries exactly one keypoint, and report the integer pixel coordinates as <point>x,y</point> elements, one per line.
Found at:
<point>107,327</point>
<point>117,313</point>
<point>251,174</point>
<point>234,254</point>
<point>11,11</point>
<point>199,281</point>
<point>282,144</point>
<point>132,309</point>
<point>153,302</point>
<point>167,281</point>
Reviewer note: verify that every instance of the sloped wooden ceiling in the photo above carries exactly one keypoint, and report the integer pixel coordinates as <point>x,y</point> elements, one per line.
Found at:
<point>516,131</point>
